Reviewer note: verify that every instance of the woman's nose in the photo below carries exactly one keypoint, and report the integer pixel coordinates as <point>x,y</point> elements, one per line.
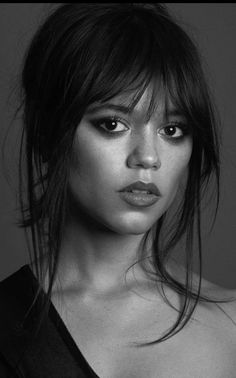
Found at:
<point>144,153</point>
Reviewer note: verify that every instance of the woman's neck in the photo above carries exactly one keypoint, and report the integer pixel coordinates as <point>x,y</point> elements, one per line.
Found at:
<point>97,258</point>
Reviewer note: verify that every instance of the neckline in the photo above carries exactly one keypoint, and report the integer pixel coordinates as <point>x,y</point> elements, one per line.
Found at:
<point>64,332</point>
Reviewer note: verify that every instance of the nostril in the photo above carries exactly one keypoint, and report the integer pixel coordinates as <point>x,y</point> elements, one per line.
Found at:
<point>146,163</point>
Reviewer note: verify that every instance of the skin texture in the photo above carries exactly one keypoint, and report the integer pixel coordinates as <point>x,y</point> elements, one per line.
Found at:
<point>105,163</point>
<point>104,233</point>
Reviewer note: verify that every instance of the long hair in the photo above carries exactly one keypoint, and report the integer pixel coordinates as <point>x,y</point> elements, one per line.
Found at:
<point>88,52</point>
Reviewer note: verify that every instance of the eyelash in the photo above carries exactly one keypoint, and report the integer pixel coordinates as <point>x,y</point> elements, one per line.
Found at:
<point>180,125</point>
<point>174,124</point>
<point>97,123</point>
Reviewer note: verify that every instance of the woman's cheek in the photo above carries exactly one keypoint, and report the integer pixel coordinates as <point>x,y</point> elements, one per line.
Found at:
<point>176,169</point>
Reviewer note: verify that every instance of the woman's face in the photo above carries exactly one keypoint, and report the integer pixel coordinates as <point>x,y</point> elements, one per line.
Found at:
<point>113,149</point>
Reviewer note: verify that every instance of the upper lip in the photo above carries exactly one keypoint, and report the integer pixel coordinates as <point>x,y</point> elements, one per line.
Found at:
<point>139,185</point>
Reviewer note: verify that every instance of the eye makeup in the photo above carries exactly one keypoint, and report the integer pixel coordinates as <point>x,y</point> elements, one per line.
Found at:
<point>112,125</point>
<point>175,130</point>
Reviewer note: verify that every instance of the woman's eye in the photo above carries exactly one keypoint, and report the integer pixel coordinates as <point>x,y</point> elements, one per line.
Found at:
<point>111,125</point>
<point>175,131</point>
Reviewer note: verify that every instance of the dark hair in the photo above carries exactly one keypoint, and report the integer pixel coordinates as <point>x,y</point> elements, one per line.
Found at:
<point>87,52</point>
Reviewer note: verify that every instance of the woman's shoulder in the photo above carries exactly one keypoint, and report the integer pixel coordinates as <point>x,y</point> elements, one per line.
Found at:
<point>215,326</point>
<point>223,305</point>
<point>219,311</point>
<point>206,345</point>
<point>211,331</point>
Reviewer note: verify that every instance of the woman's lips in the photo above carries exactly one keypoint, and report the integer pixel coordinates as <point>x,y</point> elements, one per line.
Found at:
<point>149,187</point>
<point>140,199</point>
<point>140,194</point>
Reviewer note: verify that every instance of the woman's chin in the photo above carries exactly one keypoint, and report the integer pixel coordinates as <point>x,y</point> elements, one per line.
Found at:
<point>132,226</point>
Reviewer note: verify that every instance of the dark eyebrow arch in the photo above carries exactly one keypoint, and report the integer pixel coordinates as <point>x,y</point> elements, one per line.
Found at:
<point>120,108</point>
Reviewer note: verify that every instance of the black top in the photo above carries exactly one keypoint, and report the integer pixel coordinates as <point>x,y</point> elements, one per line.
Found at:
<point>53,353</point>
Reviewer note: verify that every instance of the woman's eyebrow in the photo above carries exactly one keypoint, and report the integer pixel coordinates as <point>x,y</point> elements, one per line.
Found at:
<point>108,106</point>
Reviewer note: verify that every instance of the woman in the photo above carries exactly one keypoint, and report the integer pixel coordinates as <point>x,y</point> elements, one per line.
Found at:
<point>121,144</point>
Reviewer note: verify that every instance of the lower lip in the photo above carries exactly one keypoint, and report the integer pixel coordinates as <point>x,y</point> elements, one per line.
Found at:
<point>139,199</point>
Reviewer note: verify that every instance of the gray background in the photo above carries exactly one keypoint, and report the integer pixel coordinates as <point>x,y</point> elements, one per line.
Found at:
<point>213,26</point>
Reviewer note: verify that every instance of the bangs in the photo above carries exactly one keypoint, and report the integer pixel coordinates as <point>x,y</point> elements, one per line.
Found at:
<point>129,53</point>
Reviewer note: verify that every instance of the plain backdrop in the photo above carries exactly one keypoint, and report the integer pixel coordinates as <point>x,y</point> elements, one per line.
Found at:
<point>213,27</point>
